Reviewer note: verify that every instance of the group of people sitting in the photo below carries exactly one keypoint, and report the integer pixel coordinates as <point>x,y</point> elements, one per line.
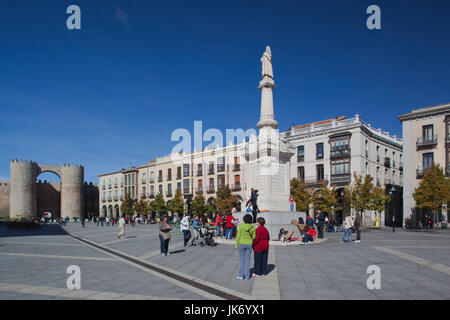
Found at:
<point>307,230</point>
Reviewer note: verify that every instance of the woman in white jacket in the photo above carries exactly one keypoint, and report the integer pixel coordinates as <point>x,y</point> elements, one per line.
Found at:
<point>348,224</point>
<point>184,227</point>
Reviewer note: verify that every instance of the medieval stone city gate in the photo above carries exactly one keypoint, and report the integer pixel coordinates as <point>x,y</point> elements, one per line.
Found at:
<point>23,188</point>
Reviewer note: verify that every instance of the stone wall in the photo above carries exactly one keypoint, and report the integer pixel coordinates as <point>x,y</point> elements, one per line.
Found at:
<point>4,199</point>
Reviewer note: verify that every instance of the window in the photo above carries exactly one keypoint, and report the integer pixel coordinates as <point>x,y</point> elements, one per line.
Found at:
<point>340,146</point>
<point>144,178</point>
<point>427,160</point>
<point>320,172</point>
<point>152,177</point>
<point>160,188</point>
<point>179,173</point>
<point>132,178</point>
<point>340,167</point>
<point>169,174</point>
<point>160,178</point>
<point>427,133</point>
<point>169,189</point>
<point>220,181</point>
<point>186,186</point>
<point>221,164</point>
<point>367,168</point>
<point>211,183</point>
<point>300,153</point>
<point>152,190</point>
<point>199,169</point>
<point>319,151</point>
<point>301,173</point>
<point>143,191</point>
<point>132,191</point>
<point>104,195</point>
<point>179,186</point>
<point>186,170</point>
<point>200,185</point>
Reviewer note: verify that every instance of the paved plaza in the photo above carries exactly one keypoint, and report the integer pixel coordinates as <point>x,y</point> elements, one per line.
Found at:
<point>33,264</point>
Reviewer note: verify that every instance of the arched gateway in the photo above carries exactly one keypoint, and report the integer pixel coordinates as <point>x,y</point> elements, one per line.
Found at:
<point>23,188</point>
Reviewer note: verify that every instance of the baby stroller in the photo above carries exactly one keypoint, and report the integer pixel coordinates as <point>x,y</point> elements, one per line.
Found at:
<point>206,237</point>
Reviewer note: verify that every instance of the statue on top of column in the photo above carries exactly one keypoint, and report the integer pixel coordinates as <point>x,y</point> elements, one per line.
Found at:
<point>266,60</point>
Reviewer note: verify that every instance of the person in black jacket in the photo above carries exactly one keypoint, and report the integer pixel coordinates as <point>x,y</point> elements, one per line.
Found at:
<point>320,223</point>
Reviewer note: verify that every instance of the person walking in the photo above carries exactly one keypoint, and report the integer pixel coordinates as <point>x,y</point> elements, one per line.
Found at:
<point>348,224</point>
<point>260,248</point>
<point>121,228</point>
<point>195,227</point>
<point>229,226</point>
<point>164,236</point>
<point>244,240</point>
<point>185,228</point>
<point>358,227</point>
<point>320,223</point>
<point>218,224</point>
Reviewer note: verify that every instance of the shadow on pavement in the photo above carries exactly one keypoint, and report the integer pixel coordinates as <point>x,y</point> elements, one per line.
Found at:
<point>44,230</point>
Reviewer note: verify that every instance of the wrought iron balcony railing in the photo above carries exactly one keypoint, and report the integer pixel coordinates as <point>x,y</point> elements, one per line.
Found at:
<point>426,141</point>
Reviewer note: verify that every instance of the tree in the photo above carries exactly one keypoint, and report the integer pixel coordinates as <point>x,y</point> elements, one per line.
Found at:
<point>225,200</point>
<point>433,191</point>
<point>198,204</point>
<point>325,199</point>
<point>142,207</point>
<point>177,203</point>
<point>158,205</point>
<point>379,199</point>
<point>302,195</point>
<point>127,206</point>
<point>359,193</point>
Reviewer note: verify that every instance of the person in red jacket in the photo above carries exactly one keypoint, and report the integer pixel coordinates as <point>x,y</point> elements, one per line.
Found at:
<point>229,225</point>
<point>261,248</point>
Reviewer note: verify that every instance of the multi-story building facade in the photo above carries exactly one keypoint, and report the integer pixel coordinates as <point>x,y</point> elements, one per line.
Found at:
<point>331,150</point>
<point>426,139</point>
<point>204,171</point>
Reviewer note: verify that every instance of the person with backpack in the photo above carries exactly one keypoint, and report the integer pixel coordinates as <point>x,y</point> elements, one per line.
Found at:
<point>348,225</point>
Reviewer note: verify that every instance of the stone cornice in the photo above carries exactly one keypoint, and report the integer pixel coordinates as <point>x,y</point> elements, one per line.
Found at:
<point>443,109</point>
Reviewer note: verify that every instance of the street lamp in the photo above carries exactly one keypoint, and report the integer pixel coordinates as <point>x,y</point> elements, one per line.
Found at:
<point>392,192</point>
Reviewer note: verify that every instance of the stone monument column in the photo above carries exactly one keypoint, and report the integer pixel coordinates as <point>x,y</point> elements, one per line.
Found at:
<point>267,155</point>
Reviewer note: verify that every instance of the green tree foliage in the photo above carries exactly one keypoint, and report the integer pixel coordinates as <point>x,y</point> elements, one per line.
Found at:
<point>359,193</point>
<point>225,200</point>
<point>158,205</point>
<point>198,204</point>
<point>127,206</point>
<point>433,191</point>
<point>379,199</point>
<point>177,203</point>
<point>325,199</point>
<point>302,195</point>
<point>142,207</point>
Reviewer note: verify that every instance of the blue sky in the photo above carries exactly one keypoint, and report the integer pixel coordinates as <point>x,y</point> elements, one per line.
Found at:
<point>109,95</point>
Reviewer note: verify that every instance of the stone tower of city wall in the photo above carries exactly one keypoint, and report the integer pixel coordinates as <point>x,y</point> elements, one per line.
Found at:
<point>23,188</point>
<point>4,199</point>
<point>72,191</point>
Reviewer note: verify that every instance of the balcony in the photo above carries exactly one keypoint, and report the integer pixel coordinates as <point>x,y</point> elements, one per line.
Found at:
<point>367,153</point>
<point>300,158</point>
<point>211,171</point>
<point>160,179</point>
<point>103,200</point>
<point>341,178</point>
<point>104,187</point>
<point>116,198</point>
<point>151,196</point>
<point>336,154</point>
<point>315,181</point>
<point>168,193</point>
<point>236,167</point>
<point>121,197</point>
<point>144,181</point>
<point>187,191</point>
<point>426,141</point>
<point>109,199</point>
<point>199,173</point>
<point>387,162</point>
<point>420,172</point>
<point>109,186</point>
<point>236,187</point>
<point>378,158</point>
<point>169,178</point>
<point>116,186</point>
<point>400,166</point>
<point>178,176</point>
<point>220,168</point>
<point>393,163</point>
<point>199,189</point>
<point>210,190</point>
<point>152,180</point>
<point>388,181</point>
